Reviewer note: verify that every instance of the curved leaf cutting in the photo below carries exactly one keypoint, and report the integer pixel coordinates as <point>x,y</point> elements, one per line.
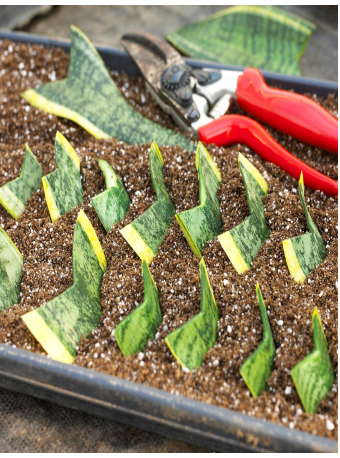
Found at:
<point>111,205</point>
<point>248,36</point>
<point>10,271</point>
<point>304,252</point>
<point>89,97</point>
<point>14,195</point>
<point>190,342</point>
<point>134,331</point>
<point>203,223</point>
<point>62,187</point>
<point>146,233</point>
<point>258,367</point>
<point>313,377</point>
<point>59,324</point>
<point>243,242</point>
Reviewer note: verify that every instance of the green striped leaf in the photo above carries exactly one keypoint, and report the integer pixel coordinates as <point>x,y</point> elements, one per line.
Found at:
<point>134,331</point>
<point>313,377</point>
<point>111,205</point>
<point>203,223</point>
<point>63,188</point>
<point>249,36</point>
<point>10,271</point>
<point>243,242</point>
<point>190,342</point>
<point>146,233</point>
<point>14,195</point>
<point>89,97</point>
<point>59,324</point>
<point>258,367</point>
<point>304,252</point>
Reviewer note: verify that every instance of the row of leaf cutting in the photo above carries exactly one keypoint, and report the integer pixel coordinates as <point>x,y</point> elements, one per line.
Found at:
<point>59,324</point>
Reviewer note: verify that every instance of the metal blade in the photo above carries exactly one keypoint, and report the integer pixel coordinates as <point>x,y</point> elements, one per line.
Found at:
<point>151,54</point>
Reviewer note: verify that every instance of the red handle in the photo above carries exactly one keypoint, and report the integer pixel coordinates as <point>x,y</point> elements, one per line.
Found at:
<point>288,112</point>
<point>231,129</point>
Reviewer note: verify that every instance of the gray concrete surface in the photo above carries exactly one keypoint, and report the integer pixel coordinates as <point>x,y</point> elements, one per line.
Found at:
<point>106,24</point>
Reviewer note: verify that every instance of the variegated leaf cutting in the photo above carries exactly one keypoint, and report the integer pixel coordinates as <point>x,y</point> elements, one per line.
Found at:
<point>146,233</point>
<point>14,195</point>
<point>190,342</point>
<point>203,223</point>
<point>313,377</point>
<point>304,252</point>
<point>258,367</point>
<point>134,331</point>
<point>111,205</point>
<point>62,187</point>
<point>243,242</point>
<point>59,324</point>
<point>10,271</point>
<point>89,97</point>
<point>257,36</point>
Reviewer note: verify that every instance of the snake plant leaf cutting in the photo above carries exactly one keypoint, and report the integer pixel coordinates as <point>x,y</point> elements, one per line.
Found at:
<point>11,261</point>
<point>62,187</point>
<point>313,377</point>
<point>203,223</point>
<point>59,324</point>
<point>146,233</point>
<point>14,195</point>
<point>248,36</point>
<point>304,252</point>
<point>243,242</point>
<point>111,205</point>
<point>134,331</point>
<point>258,367</point>
<point>190,342</point>
<point>89,97</point>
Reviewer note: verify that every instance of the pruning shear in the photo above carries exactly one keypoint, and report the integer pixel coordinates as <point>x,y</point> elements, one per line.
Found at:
<point>197,100</point>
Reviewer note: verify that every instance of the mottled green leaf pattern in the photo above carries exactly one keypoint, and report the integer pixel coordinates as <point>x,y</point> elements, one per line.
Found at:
<point>313,377</point>
<point>203,223</point>
<point>63,188</point>
<point>243,242</point>
<point>90,98</point>
<point>60,323</point>
<point>304,252</point>
<point>146,233</point>
<point>10,272</point>
<point>134,331</point>
<point>258,367</point>
<point>111,205</point>
<point>249,36</point>
<point>190,342</point>
<point>14,195</point>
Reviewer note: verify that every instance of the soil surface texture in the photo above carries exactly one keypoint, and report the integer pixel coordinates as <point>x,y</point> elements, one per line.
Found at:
<point>47,252</point>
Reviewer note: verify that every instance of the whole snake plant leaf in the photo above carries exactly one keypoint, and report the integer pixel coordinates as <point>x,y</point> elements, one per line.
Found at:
<point>59,324</point>
<point>146,233</point>
<point>62,187</point>
<point>190,342</point>
<point>203,223</point>
<point>249,36</point>
<point>304,252</point>
<point>313,377</point>
<point>134,331</point>
<point>243,242</point>
<point>14,195</point>
<point>111,205</point>
<point>89,97</point>
<point>258,367</point>
<point>10,271</point>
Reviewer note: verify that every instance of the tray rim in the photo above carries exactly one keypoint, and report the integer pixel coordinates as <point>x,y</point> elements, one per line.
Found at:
<point>29,373</point>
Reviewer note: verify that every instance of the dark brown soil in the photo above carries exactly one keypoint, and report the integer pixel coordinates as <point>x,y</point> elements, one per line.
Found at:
<point>47,251</point>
